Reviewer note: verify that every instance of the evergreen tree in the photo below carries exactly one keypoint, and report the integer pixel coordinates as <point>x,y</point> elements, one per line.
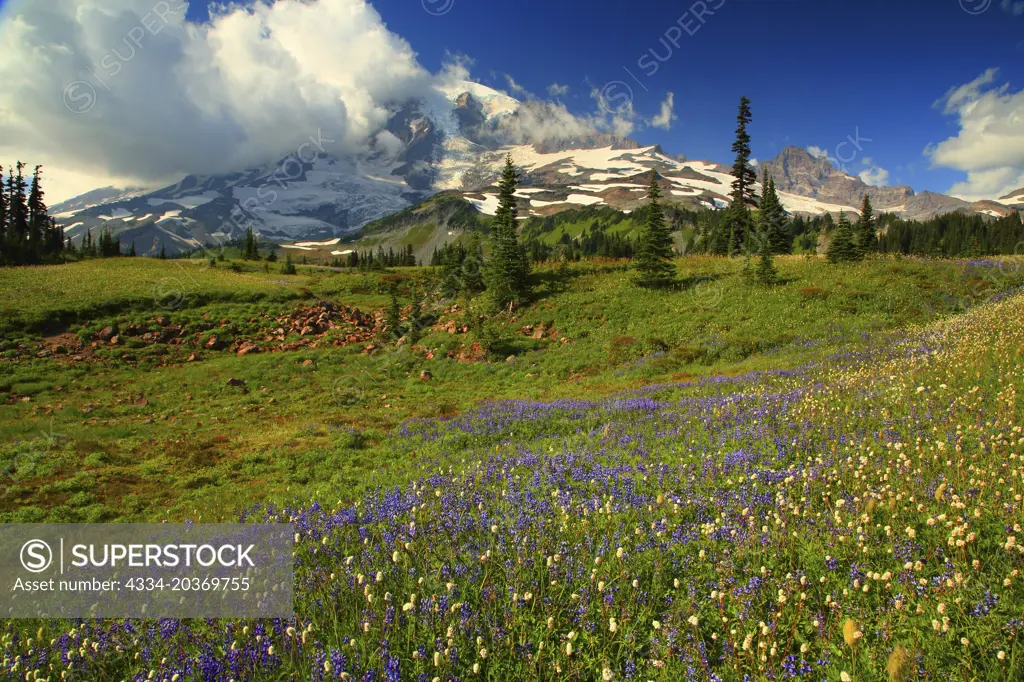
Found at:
<point>841,248</point>
<point>131,251</point>
<point>247,244</point>
<point>766,273</point>
<point>654,251</point>
<point>17,214</point>
<point>743,175</point>
<point>289,267</point>
<point>38,220</point>
<point>738,224</point>
<point>415,326</point>
<point>737,217</point>
<point>6,255</point>
<point>393,319</point>
<point>867,238</point>
<point>772,221</point>
<point>508,268</point>
<point>163,252</point>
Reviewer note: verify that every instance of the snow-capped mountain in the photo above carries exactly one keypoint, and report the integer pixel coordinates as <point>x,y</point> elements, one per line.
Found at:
<point>457,140</point>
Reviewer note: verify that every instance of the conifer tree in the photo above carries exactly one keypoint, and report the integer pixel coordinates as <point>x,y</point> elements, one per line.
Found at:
<point>17,214</point>
<point>508,268</point>
<point>163,252</point>
<point>38,220</point>
<point>738,224</point>
<point>772,222</point>
<point>654,251</point>
<point>131,251</point>
<point>841,248</point>
<point>766,272</point>
<point>743,175</point>
<point>737,218</point>
<point>289,267</point>
<point>866,238</point>
<point>6,257</point>
<point>393,320</point>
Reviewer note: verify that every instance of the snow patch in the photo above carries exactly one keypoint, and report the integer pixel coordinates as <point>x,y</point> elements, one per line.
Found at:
<point>488,205</point>
<point>170,215</point>
<point>117,214</point>
<point>329,242</point>
<point>191,201</point>
<point>794,203</point>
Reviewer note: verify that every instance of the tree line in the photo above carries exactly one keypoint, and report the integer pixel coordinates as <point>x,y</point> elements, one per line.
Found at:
<point>28,235</point>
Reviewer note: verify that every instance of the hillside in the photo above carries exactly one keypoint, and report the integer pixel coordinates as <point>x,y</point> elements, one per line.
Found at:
<point>606,441</point>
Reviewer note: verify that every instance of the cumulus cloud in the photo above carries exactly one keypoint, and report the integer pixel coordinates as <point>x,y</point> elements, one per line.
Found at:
<point>875,176</point>
<point>556,90</point>
<point>129,89</point>
<point>516,88</point>
<point>817,152</point>
<point>128,92</point>
<point>665,117</point>
<point>990,144</point>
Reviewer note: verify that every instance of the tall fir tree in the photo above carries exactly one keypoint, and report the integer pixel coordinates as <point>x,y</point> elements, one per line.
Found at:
<point>653,259</point>
<point>17,214</point>
<point>508,270</point>
<point>742,173</point>
<point>772,221</point>
<point>6,257</point>
<point>738,219</point>
<point>866,237</point>
<point>841,247</point>
<point>38,220</point>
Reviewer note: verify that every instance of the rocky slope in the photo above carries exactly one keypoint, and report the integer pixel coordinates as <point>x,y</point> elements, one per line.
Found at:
<point>796,171</point>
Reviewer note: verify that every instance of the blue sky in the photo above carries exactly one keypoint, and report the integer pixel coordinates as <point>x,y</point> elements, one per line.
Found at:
<point>819,73</point>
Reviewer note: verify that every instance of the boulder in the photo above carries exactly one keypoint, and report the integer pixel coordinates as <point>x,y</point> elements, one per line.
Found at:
<point>247,348</point>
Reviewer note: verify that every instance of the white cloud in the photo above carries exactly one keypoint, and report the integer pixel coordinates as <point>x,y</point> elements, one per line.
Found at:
<point>516,88</point>
<point>990,144</point>
<point>149,97</point>
<point>1014,7</point>
<point>388,144</point>
<point>665,116</point>
<point>171,97</point>
<point>874,175</point>
<point>754,163</point>
<point>556,90</point>
<point>817,152</point>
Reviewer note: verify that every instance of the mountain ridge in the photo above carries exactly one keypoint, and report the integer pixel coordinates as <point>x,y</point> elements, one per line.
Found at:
<point>458,145</point>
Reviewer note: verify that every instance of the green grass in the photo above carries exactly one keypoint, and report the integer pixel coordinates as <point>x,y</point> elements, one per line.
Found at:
<point>196,446</point>
<point>645,507</point>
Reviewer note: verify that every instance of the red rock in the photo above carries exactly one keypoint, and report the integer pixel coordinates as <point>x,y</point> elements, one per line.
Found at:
<point>247,348</point>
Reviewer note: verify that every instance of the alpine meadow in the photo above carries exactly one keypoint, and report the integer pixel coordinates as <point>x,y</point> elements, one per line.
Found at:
<point>435,291</point>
